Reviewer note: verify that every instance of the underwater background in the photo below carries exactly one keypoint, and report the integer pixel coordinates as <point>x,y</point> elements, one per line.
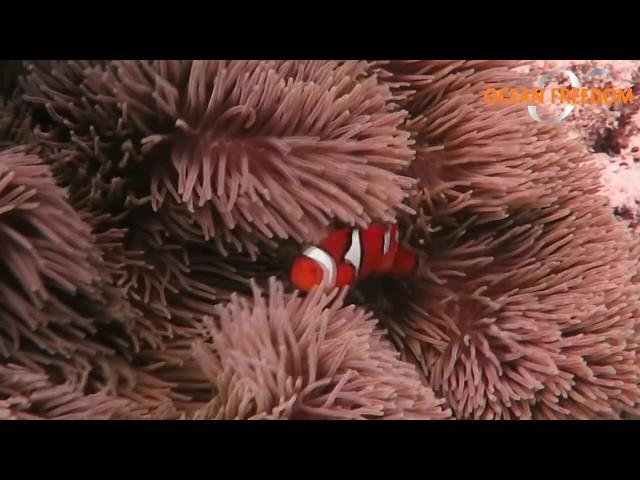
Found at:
<point>150,213</point>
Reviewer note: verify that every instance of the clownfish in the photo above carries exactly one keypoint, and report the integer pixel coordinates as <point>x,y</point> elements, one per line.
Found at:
<point>348,254</point>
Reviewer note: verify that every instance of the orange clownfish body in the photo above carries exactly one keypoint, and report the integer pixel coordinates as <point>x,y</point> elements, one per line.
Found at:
<point>348,254</point>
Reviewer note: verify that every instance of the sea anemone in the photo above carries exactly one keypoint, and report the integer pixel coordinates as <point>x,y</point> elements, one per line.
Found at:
<point>65,336</point>
<point>49,290</point>
<point>149,203</point>
<point>182,159</point>
<point>27,394</point>
<point>282,356</point>
<point>526,304</point>
<point>213,143</point>
<point>475,163</point>
<point>46,254</point>
<point>538,322</point>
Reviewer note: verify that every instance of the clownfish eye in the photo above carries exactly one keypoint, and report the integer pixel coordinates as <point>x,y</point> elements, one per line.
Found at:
<point>306,273</point>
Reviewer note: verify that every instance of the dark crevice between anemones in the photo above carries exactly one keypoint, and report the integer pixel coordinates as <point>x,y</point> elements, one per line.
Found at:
<point>386,297</point>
